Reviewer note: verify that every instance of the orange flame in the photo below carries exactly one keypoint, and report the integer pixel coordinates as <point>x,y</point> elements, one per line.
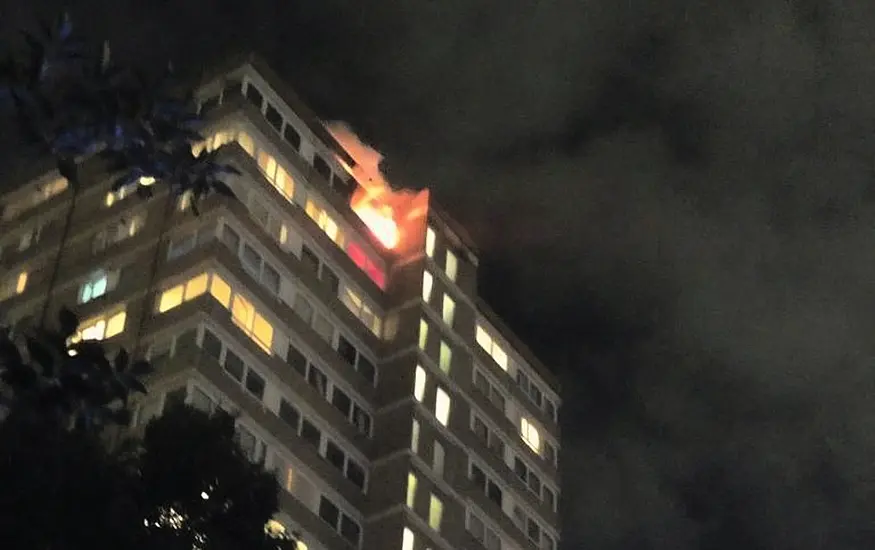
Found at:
<point>374,201</point>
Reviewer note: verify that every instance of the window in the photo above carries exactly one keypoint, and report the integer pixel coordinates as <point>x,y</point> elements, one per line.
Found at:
<point>407,539</point>
<point>419,383</point>
<point>482,383</point>
<point>442,406</point>
<point>414,437</point>
<point>13,285</point>
<point>289,414</point>
<point>255,384</point>
<point>273,117</point>
<point>429,242</point>
<point>330,279</point>
<point>435,513</point>
<point>329,512</point>
<point>427,284</point>
<point>309,259</point>
<point>490,346</point>
<point>411,490</point>
<point>445,358</point>
<point>292,136</point>
<point>530,435</point>
<point>310,433</point>
<point>254,96</point>
<point>438,456</point>
<point>423,334</point>
<point>452,266</point>
<point>321,167</point>
<point>100,328</point>
<point>184,292</point>
<point>449,310</point>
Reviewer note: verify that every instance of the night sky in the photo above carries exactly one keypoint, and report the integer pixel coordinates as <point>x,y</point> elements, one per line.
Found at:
<point>675,205</point>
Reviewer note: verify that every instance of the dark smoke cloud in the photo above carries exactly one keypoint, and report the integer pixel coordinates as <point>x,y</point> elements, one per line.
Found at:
<point>677,194</point>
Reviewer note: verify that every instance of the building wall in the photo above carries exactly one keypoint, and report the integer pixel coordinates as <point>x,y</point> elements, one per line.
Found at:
<point>345,401</point>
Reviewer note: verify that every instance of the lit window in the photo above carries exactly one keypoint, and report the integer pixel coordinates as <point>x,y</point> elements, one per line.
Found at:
<point>452,266</point>
<point>442,406</point>
<point>267,164</point>
<point>483,338</point>
<point>435,513</point>
<point>246,143</point>
<point>530,434</point>
<point>407,539</point>
<point>21,282</point>
<point>423,333</point>
<point>499,356</point>
<point>93,288</point>
<point>419,383</point>
<point>445,358</point>
<point>414,436</point>
<point>449,310</point>
<point>171,298</point>
<point>100,328</point>
<point>411,490</point>
<point>429,241</point>
<point>242,311</point>
<point>220,290</point>
<point>490,346</point>
<point>196,286</point>
<point>427,283</point>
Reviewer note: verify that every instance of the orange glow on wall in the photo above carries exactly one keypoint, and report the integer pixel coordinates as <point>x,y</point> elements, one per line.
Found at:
<point>386,212</point>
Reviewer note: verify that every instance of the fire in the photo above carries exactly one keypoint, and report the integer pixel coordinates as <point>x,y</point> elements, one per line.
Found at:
<point>374,201</point>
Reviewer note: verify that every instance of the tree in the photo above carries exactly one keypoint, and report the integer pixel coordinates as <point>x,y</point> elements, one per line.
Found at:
<point>184,485</point>
<point>61,486</point>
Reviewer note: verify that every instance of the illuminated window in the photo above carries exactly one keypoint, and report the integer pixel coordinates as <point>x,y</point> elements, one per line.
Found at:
<point>490,346</point>
<point>427,283</point>
<point>414,436</point>
<point>419,383</point>
<point>435,513</point>
<point>429,242</point>
<point>97,285</point>
<point>220,290</point>
<point>246,143</point>
<point>100,328</point>
<point>423,334</point>
<point>171,298</point>
<point>452,266</point>
<point>360,258</point>
<point>411,490</point>
<point>448,310</point>
<point>530,435</point>
<point>325,222</point>
<point>407,539</point>
<point>21,282</point>
<point>445,358</point>
<point>442,406</point>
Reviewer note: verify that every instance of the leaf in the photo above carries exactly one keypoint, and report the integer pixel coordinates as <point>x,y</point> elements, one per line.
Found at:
<point>68,322</point>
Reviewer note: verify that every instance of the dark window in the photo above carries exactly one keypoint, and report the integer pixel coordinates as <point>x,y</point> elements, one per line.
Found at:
<point>346,350</point>
<point>535,483</point>
<point>550,407</point>
<point>174,398</point>
<point>231,239</point>
<point>251,259</point>
<point>310,433</point>
<point>296,360</point>
<point>212,346</point>
<point>549,498</point>
<point>321,167</point>
<point>274,117</point>
<point>186,341</point>
<point>367,369</point>
<point>536,395</point>
<point>534,531</point>
<point>361,419</point>
<point>318,380</point>
<point>330,279</point>
<point>271,279</point>
<point>310,259</point>
<point>355,473</point>
<point>254,96</point>
<point>334,455</point>
<point>292,136</point>
<point>478,477</point>
<point>232,89</point>
<point>493,492</point>
<point>255,384</point>
<point>341,401</point>
<point>519,468</point>
<point>329,512</point>
<point>209,104</point>
<point>234,365</point>
<point>289,414</point>
<point>350,530</point>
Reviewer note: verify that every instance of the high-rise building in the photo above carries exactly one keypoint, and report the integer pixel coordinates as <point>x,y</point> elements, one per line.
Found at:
<point>337,316</point>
